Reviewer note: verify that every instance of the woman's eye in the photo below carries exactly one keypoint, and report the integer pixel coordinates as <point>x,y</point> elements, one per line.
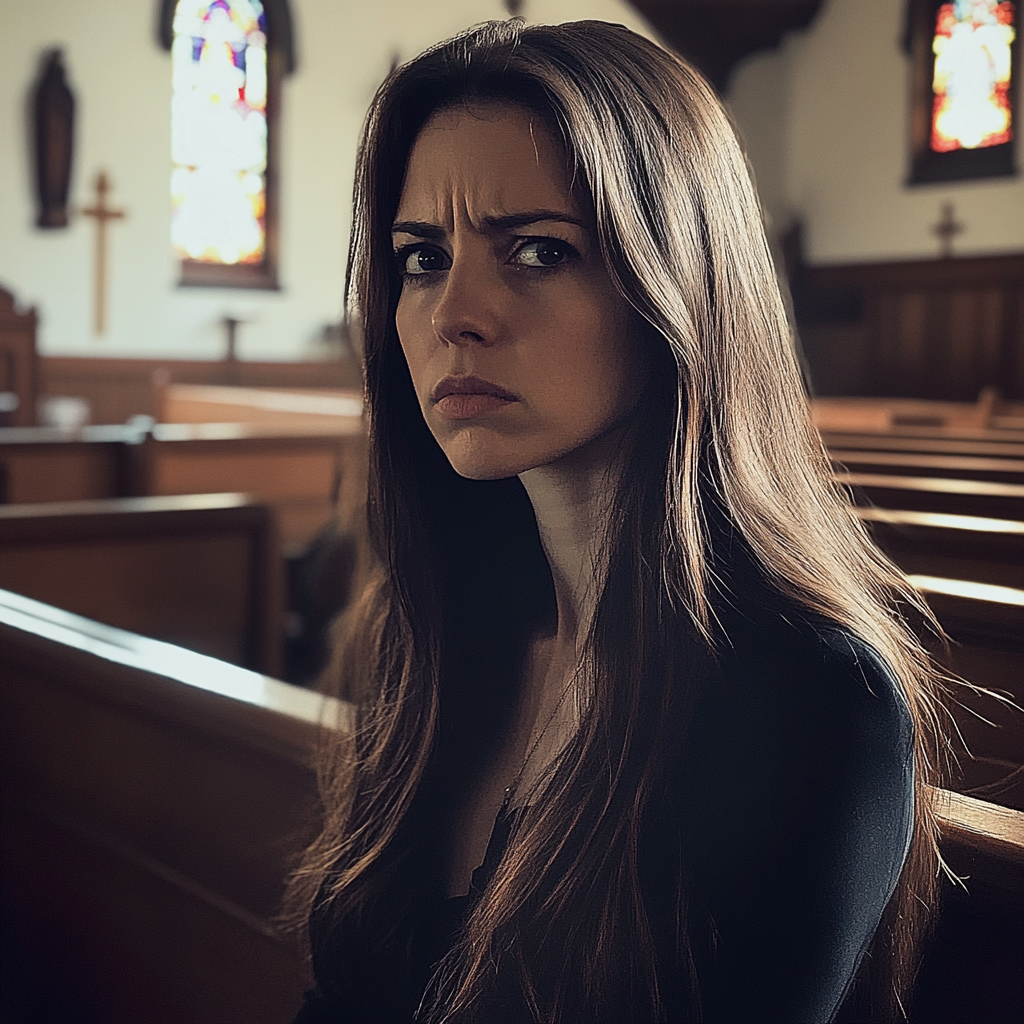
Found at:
<point>543,252</point>
<point>416,260</point>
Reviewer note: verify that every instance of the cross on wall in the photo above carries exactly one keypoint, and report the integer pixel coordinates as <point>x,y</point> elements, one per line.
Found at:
<point>102,213</point>
<point>947,229</point>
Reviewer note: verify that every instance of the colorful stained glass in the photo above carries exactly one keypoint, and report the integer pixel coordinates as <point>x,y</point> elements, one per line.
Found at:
<point>972,105</point>
<point>219,131</point>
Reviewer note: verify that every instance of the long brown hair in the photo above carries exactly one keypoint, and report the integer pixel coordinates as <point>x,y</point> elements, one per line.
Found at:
<point>727,479</point>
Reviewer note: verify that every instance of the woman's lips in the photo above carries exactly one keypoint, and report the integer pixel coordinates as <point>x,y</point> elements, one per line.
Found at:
<point>463,398</point>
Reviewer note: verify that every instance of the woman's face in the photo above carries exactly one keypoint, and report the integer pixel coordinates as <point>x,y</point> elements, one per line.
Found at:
<point>516,339</point>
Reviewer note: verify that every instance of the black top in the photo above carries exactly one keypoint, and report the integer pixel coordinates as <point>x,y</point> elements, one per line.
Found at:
<point>797,801</point>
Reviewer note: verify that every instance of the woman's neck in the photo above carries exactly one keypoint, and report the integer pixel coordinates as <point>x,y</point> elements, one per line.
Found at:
<point>572,500</point>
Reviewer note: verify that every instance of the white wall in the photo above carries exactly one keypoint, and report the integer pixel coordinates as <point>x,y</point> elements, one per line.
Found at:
<point>826,121</point>
<point>824,117</point>
<point>122,80</point>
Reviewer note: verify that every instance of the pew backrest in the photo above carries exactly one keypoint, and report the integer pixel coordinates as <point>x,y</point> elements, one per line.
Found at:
<point>307,475</point>
<point>47,464</point>
<point>971,548</point>
<point>337,409</point>
<point>153,798</point>
<point>936,494</point>
<point>203,571</point>
<point>997,468</point>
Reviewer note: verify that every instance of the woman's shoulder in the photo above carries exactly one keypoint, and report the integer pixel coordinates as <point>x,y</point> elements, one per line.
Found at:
<point>797,809</point>
<point>797,704</point>
<point>785,656</point>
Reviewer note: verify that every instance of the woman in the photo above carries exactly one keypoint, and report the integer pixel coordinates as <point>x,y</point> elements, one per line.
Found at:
<point>642,735</point>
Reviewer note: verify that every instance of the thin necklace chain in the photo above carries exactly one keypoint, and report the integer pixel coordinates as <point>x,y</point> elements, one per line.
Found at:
<point>510,789</point>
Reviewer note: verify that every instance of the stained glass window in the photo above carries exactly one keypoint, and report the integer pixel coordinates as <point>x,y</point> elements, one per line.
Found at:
<point>972,47</point>
<point>219,131</point>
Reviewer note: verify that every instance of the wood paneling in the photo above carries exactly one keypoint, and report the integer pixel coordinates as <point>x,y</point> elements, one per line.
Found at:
<point>933,329</point>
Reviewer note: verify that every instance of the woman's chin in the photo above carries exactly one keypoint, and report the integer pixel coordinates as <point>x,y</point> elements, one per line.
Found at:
<point>485,469</point>
<point>475,462</point>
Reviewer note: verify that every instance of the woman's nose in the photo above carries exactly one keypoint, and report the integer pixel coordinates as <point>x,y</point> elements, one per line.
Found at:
<point>467,311</point>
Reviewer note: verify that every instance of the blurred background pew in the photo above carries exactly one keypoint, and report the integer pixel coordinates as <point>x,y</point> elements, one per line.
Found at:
<point>203,570</point>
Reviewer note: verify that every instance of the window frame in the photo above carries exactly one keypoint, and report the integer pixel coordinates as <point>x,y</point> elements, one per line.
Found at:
<point>927,165</point>
<point>280,62</point>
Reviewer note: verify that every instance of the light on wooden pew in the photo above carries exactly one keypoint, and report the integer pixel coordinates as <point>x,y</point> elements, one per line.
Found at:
<point>949,485</point>
<point>307,402</point>
<point>177,663</point>
<point>946,520</point>
<point>966,588</point>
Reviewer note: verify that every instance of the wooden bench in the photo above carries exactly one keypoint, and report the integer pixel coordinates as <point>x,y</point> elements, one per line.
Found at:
<point>152,797</point>
<point>203,571</point>
<point>971,969</point>
<point>936,494</point>
<point>295,408</point>
<point>19,364</point>
<point>989,415</point>
<point>46,464</point>
<point>985,626</point>
<point>116,388</point>
<point>973,548</point>
<point>981,444</point>
<point>306,474</point>
<point>995,468</point>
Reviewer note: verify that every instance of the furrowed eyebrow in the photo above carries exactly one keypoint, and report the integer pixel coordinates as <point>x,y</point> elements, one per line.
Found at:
<point>423,229</point>
<point>419,228</point>
<point>518,220</point>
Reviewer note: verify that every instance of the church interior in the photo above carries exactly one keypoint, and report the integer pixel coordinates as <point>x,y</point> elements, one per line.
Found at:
<point>183,447</point>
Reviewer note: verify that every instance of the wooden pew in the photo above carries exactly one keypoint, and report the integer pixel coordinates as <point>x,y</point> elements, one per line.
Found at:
<point>203,571</point>
<point>981,444</point>
<point>47,464</point>
<point>19,364</point>
<point>152,799</point>
<point>985,627</point>
<point>996,468</point>
<point>306,474</point>
<point>116,389</point>
<point>988,416</point>
<point>936,494</point>
<point>869,436</point>
<point>974,548</point>
<point>293,408</point>
<point>151,796</point>
<point>971,969</point>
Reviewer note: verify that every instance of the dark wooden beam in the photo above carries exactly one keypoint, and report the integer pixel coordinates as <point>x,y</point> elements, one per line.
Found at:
<point>717,34</point>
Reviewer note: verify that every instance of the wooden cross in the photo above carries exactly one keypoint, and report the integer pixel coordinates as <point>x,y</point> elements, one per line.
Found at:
<point>231,324</point>
<point>231,329</point>
<point>946,229</point>
<point>102,213</point>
